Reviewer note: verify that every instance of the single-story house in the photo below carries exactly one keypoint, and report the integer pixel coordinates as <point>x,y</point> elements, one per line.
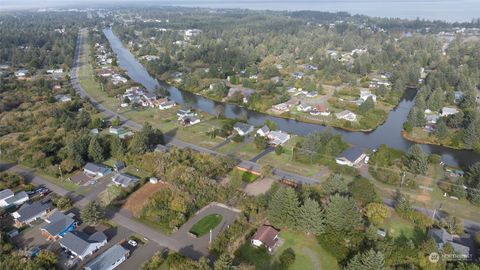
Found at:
<point>63,98</point>
<point>365,94</point>
<point>263,131</point>
<point>110,259</point>
<point>282,107</point>
<point>166,105</point>
<point>298,75</point>
<point>81,244</point>
<point>58,225</point>
<point>267,237</point>
<point>312,94</point>
<point>80,178</point>
<point>277,137</point>
<point>442,237</point>
<point>243,129</point>
<point>124,180</point>
<point>446,111</point>
<point>119,165</point>
<point>18,199</point>
<point>304,108</point>
<point>432,118</point>
<point>96,170</point>
<point>320,110</point>
<point>189,121</point>
<point>351,157</point>
<point>30,212</point>
<point>116,130</point>
<point>347,115</point>
<point>21,73</point>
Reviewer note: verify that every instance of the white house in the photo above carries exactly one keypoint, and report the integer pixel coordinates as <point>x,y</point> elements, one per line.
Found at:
<point>7,198</point>
<point>166,105</point>
<point>243,129</point>
<point>304,108</point>
<point>4,195</point>
<point>277,137</point>
<point>124,180</point>
<point>282,107</point>
<point>347,115</point>
<point>96,170</point>
<point>267,237</point>
<point>263,131</point>
<point>365,94</point>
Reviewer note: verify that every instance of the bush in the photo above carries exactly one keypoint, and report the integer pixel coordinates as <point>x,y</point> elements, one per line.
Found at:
<point>237,138</point>
<point>434,159</point>
<point>287,258</point>
<point>279,150</point>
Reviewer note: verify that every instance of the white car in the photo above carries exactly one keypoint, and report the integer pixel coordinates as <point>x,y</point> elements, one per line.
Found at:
<point>366,160</point>
<point>132,243</point>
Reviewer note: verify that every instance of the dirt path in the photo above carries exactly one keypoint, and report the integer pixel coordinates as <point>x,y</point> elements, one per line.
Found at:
<point>313,257</point>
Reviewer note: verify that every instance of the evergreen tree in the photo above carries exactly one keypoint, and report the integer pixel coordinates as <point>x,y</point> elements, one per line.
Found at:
<point>441,131</point>
<point>335,184</point>
<point>416,160</point>
<point>224,262</point>
<point>283,207</point>
<point>117,147</point>
<point>369,260</point>
<point>342,215</point>
<point>92,213</point>
<point>366,106</point>
<point>471,134</point>
<point>145,140</point>
<point>310,217</point>
<point>95,150</point>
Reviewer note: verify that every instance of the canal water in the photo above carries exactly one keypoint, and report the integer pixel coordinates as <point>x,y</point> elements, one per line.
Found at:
<point>389,133</point>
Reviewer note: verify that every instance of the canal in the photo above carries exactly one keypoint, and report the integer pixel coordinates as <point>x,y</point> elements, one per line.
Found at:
<point>389,133</point>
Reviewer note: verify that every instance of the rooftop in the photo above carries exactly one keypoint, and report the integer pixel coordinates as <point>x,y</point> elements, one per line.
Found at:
<point>108,258</point>
<point>266,234</point>
<point>79,242</point>
<point>352,153</point>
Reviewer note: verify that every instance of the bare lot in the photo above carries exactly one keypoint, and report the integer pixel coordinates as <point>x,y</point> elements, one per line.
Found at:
<point>139,198</point>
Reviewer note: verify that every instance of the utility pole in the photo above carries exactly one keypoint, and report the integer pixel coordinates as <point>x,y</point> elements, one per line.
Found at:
<point>403,177</point>
<point>60,169</point>
<point>210,241</point>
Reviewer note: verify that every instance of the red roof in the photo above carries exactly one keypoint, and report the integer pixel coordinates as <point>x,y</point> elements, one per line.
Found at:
<point>267,235</point>
<point>321,108</point>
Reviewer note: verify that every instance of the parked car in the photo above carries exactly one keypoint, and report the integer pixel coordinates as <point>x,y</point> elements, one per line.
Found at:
<point>133,243</point>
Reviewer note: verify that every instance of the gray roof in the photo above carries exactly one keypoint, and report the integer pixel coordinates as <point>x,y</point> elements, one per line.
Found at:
<point>79,242</point>
<point>6,193</point>
<point>108,258</point>
<point>265,129</point>
<point>58,223</point>
<point>125,179</point>
<point>441,236</point>
<point>243,127</point>
<point>94,167</point>
<point>28,211</point>
<point>352,153</point>
<point>22,195</point>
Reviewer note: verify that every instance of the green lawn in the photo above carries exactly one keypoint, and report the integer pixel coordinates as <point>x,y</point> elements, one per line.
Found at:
<point>66,184</point>
<point>396,227</point>
<point>303,245</point>
<point>205,224</point>
<point>247,177</point>
<point>243,150</point>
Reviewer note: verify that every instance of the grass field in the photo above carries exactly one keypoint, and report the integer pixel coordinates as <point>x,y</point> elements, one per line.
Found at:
<point>205,224</point>
<point>308,254</point>
<point>396,227</point>
<point>137,200</point>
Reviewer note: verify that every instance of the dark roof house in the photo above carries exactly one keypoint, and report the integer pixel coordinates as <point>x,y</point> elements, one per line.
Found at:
<point>124,180</point>
<point>30,212</point>
<point>243,129</point>
<point>58,225</point>
<point>81,244</point>
<point>351,157</point>
<point>96,169</point>
<point>265,236</point>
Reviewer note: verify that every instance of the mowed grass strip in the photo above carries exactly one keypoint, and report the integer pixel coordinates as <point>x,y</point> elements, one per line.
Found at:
<point>205,224</point>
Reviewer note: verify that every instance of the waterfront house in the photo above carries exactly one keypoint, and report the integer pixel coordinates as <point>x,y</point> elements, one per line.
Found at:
<point>181,113</point>
<point>265,236</point>
<point>365,94</point>
<point>277,137</point>
<point>110,259</point>
<point>320,110</point>
<point>166,105</point>
<point>263,131</point>
<point>304,108</point>
<point>351,157</point>
<point>432,118</point>
<point>124,180</point>
<point>282,107</point>
<point>347,115</point>
<point>81,244</point>
<point>189,120</point>
<point>243,129</point>
<point>96,170</point>
<point>30,212</point>
<point>58,225</point>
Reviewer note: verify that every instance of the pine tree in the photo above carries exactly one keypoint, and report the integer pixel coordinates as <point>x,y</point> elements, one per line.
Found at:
<point>117,147</point>
<point>92,213</point>
<point>283,207</point>
<point>334,184</point>
<point>369,260</point>
<point>441,130</point>
<point>417,161</point>
<point>310,217</point>
<point>95,150</point>
<point>342,215</point>
<point>224,262</point>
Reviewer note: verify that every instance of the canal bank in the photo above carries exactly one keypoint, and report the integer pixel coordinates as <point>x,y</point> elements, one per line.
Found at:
<point>389,133</point>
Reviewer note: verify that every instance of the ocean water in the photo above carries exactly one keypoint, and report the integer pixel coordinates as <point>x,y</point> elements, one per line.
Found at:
<point>444,10</point>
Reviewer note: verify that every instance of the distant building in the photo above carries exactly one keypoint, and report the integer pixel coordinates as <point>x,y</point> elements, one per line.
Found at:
<point>365,94</point>
<point>110,259</point>
<point>21,73</point>
<point>119,165</point>
<point>312,94</point>
<point>189,121</point>
<point>116,130</point>
<point>446,111</point>
<point>351,157</point>
<point>282,107</point>
<point>166,105</point>
<point>267,237</point>
<point>63,98</point>
<point>263,131</point>
<point>304,108</point>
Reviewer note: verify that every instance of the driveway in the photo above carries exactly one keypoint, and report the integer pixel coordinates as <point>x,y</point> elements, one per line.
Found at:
<point>198,247</point>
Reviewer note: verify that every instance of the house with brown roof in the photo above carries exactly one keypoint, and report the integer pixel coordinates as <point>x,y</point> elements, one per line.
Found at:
<point>266,236</point>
